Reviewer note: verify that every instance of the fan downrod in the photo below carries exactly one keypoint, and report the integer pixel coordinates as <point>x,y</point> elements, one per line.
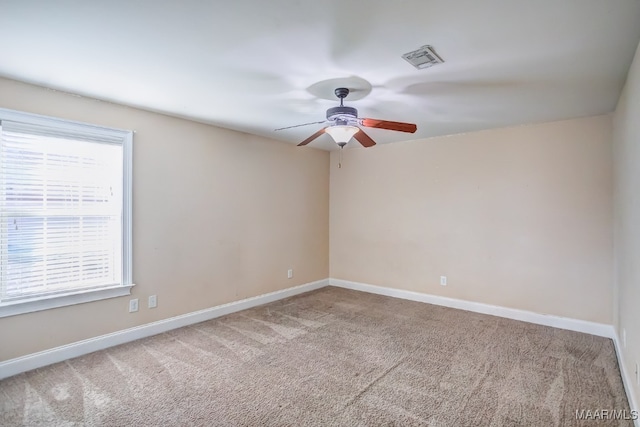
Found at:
<point>342,113</point>
<point>341,93</point>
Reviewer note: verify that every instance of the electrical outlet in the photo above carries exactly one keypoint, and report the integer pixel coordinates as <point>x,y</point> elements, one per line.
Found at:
<point>443,280</point>
<point>133,305</point>
<point>290,273</point>
<point>624,338</point>
<point>153,301</point>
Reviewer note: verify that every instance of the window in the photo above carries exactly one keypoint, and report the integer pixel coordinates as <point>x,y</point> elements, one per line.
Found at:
<point>65,212</point>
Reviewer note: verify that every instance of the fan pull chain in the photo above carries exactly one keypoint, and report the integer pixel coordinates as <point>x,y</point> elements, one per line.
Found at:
<point>340,161</point>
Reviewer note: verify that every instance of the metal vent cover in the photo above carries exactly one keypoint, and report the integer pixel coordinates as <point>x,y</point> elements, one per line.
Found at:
<point>424,57</point>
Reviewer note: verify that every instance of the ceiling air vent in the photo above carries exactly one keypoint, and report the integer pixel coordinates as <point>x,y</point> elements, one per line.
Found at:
<point>424,57</point>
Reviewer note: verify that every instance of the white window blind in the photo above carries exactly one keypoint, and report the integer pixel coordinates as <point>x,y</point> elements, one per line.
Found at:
<point>63,201</point>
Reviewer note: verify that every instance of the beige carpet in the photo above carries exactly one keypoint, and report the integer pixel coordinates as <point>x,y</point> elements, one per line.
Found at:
<point>330,357</point>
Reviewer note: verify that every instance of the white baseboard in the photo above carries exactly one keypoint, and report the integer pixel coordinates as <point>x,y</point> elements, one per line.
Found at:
<point>627,380</point>
<point>593,328</point>
<point>18,365</point>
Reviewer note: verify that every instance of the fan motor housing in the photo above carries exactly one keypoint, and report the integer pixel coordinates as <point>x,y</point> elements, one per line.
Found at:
<point>342,111</point>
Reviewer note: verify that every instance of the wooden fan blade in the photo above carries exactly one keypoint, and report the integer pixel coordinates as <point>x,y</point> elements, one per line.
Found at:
<point>364,139</point>
<point>385,124</point>
<point>312,137</point>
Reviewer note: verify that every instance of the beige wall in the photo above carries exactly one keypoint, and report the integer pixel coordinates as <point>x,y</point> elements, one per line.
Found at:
<point>518,217</point>
<point>218,216</point>
<point>626,157</point>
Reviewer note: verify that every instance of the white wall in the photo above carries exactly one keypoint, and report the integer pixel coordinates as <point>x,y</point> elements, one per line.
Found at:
<point>626,157</point>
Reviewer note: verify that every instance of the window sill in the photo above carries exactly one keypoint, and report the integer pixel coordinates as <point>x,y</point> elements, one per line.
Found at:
<point>54,301</point>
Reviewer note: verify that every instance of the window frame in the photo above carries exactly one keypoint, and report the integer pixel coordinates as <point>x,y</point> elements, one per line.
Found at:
<point>45,302</point>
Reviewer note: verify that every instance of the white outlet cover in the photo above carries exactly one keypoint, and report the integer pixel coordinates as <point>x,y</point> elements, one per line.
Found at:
<point>153,301</point>
<point>133,305</point>
<point>290,273</point>
<point>443,280</point>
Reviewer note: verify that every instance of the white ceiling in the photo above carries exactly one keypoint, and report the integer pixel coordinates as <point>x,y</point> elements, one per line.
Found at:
<point>254,65</point>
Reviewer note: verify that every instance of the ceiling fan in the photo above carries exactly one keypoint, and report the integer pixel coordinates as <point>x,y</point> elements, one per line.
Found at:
<point>343,124</point>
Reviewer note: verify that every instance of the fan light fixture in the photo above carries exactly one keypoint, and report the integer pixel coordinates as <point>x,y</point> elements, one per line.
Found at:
<point>341,134</point>
<point>341,120</point>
